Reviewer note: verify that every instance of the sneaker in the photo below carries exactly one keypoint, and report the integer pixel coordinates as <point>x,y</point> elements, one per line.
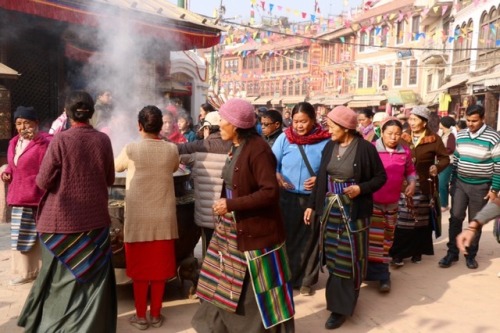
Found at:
<point>385,286</point>
<point>306,291</point>
<point>157,321</point>
<point>416,259</point>
<point>447,260</point>
<point>140,323</point>
<point>398,262</point>
<point>19,281</point>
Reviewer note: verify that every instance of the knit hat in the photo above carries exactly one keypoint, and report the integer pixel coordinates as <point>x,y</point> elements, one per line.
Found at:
<point>25,112</point>
<point>211,119</point>
<point>421,111</point>
<point>238,112</point>
<point>447,121</point>
<point>344,116</point>
<point>383,122</point>
<point>379,117</point>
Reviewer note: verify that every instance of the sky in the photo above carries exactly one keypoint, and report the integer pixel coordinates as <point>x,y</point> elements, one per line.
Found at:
<point>240,9</point>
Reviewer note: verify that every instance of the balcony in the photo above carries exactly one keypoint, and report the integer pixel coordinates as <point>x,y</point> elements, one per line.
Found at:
<point>434,57</point>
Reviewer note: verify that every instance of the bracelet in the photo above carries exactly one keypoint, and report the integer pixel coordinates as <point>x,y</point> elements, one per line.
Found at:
<point>474,230</point>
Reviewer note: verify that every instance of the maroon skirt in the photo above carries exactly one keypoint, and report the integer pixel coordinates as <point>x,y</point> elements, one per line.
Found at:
<point>149,261</point>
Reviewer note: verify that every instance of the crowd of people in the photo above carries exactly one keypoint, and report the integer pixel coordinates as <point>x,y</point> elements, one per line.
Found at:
<point>278,196</point>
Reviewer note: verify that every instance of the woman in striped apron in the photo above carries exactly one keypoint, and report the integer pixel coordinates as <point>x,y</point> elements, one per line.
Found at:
<point>244,279</point>
<point>24,156</point>
<point>350,172</point>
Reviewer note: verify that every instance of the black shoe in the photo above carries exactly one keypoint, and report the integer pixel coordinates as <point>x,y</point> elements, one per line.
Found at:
<point>416,259</point>
<point>471,262</point>
<point>398,262</point>
<point>447,260</point>
<point>334,321</point>
<point>385,286</point>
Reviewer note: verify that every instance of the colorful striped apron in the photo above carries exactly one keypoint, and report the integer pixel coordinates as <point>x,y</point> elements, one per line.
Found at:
<point>23,228</point>
<point>381,235</point>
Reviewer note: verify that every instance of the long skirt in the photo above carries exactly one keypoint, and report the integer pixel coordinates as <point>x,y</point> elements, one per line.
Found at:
<point>57,302</point>
<point>413,234</point>
<point>236,282</point>
<point>381,237</point>
<point>26,254</point>
<point>301,240</point>
<point>346,253</point>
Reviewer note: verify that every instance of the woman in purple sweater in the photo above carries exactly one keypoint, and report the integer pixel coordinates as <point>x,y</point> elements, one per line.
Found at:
<point>24,156</point>
<point>75,290</point>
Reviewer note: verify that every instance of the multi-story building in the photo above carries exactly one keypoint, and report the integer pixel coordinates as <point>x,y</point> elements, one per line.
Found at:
<point>388,57</point>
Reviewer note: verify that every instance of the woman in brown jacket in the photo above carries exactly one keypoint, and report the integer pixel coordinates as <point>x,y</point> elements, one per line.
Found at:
<point>419,215</point>
<point>245,273</point>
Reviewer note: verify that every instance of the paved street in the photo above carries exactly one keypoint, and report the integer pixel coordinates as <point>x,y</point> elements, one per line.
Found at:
<point>424,298</point>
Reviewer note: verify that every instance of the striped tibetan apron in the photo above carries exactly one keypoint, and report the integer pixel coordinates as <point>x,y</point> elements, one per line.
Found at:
<point>224,268</point>
<point>23,228</point>
<point>344,242</point>
<point>381,234</point>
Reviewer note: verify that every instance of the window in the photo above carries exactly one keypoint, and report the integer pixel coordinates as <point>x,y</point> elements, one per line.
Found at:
<point>285,63</point>
<point>305,87</point>
<point>371,40</point>
<point>290,87</point>
<point>283,88</point>
<point>305,58</point>
<point>383,35</point>
<point>291,61</point>
<point>429,82</point>
<point>361,78</point>
<point>298,56</point>
<point>278,63</point>
<point>381,74</point>
<point>297,87</point>
<point>369,77</point>
<point>400,31</point>
<point>415,27</point>
<point>397,73</point>
<point>440,77</point>
<point>413,72</point>
<point>362,41</point>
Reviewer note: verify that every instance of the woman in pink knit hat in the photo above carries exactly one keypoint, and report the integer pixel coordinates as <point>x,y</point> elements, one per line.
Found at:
<point>244,277</point>
<point>350,172</point>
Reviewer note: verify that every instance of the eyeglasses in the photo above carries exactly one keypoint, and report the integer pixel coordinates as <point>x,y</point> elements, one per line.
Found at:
<point>266,124</point>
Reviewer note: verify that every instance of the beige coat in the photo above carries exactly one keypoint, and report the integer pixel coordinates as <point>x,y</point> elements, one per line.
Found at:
<point>150,212</point>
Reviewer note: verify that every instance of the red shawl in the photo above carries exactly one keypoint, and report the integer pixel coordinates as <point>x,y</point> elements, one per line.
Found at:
<point>316,135</point>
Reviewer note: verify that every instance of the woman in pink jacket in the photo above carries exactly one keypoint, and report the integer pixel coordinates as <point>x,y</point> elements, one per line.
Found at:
<point>24,156</point>
<point>399,168</point>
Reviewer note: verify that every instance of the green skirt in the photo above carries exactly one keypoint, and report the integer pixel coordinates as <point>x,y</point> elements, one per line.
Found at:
<point>57,302</point>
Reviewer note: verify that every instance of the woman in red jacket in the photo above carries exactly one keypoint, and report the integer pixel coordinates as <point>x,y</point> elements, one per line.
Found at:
<point>245,273</point>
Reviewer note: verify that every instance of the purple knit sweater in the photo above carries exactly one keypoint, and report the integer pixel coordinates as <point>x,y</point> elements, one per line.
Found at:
<point>76,173</point>
<point>23,190</point>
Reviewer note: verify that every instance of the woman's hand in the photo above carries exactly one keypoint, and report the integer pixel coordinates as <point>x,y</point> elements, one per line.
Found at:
<point>220,207</point>
<point>410,189</point>
<point>282,183</point>
<point>309,183</point>
<point>308,215</point>
<point>6,177</point>
<point>433,170</point>
<point>352,191</point>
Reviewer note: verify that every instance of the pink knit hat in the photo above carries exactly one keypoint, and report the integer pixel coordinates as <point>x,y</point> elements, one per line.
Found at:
<point>344,116</point>
<point>238,112</point>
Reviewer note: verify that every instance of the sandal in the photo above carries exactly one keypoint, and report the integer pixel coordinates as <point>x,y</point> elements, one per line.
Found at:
<point>157,321</point>
<point>140,323</point>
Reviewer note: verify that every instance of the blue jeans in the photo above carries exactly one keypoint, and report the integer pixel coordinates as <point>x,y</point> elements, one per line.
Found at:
<point>465,197</point>
<point>444,183</point>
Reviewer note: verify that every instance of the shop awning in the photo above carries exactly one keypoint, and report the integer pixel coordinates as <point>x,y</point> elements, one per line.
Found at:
<point>456,81</point>
<point>431,98</point>
<point>160,19</point>
<point>489,80</point>
<point>364,101</point>
<point>337,101</point>
<point>292,99</point>
<point>401,97</point>
<point>263,100</point>
<point>8,73</point>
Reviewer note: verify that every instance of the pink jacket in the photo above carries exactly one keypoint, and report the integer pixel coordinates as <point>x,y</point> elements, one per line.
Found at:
<point>398,166</point>
<point>23,190</point>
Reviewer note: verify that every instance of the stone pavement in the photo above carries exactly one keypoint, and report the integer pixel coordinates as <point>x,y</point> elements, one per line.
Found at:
<point>424,297</point>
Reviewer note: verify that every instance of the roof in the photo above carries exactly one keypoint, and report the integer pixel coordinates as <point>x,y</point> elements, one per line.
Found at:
<point>387,8</point>
<point>157,18</point>
<point>7,72</point>
<point>284,44</point>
